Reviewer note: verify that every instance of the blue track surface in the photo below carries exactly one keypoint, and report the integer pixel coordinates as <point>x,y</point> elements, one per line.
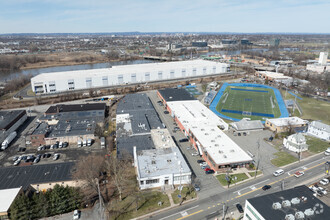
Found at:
<point>295,95</point>
<point>281,104</point>
<point>252,113</point>
<point>249,90</point>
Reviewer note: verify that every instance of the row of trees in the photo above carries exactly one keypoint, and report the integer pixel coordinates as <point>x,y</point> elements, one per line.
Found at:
<point>13,62</point>
<point>56,201</point>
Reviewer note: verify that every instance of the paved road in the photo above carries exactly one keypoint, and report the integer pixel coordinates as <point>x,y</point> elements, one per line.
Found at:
<point>212,206</point>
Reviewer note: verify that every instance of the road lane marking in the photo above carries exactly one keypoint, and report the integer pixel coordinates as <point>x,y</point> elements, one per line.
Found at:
<point>252,187</point>
<point>184,213</point>
<point>190,214</point>
<point>180,212</point>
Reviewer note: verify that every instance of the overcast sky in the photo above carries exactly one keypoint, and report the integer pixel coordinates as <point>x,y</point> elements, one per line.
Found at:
<point>249,16</point>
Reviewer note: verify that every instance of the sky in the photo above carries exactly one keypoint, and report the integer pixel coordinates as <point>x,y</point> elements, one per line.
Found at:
<point>93,16</point>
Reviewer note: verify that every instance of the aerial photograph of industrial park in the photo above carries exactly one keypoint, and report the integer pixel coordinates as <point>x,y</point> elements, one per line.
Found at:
<point>165,110</point>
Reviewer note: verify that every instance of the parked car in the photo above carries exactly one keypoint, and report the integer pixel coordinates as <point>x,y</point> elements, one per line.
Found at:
<point>203,164</point>
<point>195,154</point>
<point>299,174</point>
<point>207,168</point>
<point>184,140</point>
<point>200,161</point>
<point>56,156</point>
<point>209,172</point>
<point>36,160</point>
<point>17,162</point>
<point>15,158</point>
<point>324,182</point>
<point>65,144</point>
<point>197,188</point>
<point>204,167</point>
<point>176,129</point>
<point>21,149</point>
<point>40,148</point>
<point>322,190</point>
<point>48,155</point>
<point>239,208</point>
<point>278,172</point>
<point>166,112</point>
<point>76,214</point>
<point>266,187</point>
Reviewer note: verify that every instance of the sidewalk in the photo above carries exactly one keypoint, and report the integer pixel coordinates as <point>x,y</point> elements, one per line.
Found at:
<point>243,170</point>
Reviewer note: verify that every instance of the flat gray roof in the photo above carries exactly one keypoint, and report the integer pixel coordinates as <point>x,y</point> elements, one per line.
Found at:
<point>126,144</point>
<point>170,94</point>
<point>8,118</point>
<point>12,177</point>
<point>161,161</point>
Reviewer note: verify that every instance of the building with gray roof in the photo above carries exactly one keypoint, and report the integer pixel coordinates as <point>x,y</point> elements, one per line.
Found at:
<point>295,203</point>
<point>247,125</point>
<point>135,119</point>
<point>171,94</point>
<point>10,121</point>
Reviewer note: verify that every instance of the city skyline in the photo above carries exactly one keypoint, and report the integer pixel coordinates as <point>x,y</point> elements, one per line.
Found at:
<point>59,16</point>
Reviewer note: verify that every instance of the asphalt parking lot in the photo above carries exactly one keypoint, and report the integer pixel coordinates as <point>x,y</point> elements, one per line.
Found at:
<point>249,144</point>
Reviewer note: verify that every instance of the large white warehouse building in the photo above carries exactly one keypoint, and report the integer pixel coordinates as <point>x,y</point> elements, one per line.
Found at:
<point>126,74</point>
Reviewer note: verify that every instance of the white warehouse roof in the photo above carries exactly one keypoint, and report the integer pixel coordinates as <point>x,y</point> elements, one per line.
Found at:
<point>127,69</point>
<point>7,196</point>
<point>205,125</point>
<point>192,112</point>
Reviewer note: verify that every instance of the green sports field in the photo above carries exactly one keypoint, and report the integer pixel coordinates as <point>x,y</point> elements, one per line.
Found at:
<point>248,102</point>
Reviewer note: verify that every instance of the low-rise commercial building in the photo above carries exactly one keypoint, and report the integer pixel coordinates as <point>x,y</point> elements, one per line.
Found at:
<point>135,119</point>
<point>205,132</point>
<point>319,130</point>
<point>295,203</point>
<point>279,125</point>
<point>274,77</point>
<point>247,124</point>
<point>163,166</point>
<point>68,123</point>
<point>10,121</point>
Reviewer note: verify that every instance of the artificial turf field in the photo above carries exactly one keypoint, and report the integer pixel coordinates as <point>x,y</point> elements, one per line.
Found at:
<point>248,102</point>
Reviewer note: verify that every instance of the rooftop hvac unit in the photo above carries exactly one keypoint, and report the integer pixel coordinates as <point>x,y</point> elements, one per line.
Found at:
<point>224,156</point>
<point>295,201</point>
<point>276,205</point>
<point>309,212</point>
<point>286,203</point>
<point>289,217</point>
<point>299,215</point>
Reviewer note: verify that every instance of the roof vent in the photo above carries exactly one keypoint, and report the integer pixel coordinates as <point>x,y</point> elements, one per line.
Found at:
<point>232,150</point>
<point>217,145</point>
<point>286,203</point>
<point>220,152</point>
<point>202,129</point>
<point>212,141</point>
<point>304,198</point>
<point>224,156</point>
<point>289,217</point>
<point>206,133</point>
<point>299,215</point>
<point>153,162</point>
<point>169,161</point>
<point>309,212</point>
<point>295,201</point>
<point>276,205</point>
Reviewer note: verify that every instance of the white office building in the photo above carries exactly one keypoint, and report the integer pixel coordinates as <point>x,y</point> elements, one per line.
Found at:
<point>163,166</point>
<point>125,74</point>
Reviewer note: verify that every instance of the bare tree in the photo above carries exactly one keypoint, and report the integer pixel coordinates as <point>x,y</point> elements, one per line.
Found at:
<point>122,175</point>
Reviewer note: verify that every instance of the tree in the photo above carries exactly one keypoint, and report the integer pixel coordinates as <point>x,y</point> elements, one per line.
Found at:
<point>122,174</point>
<point>88,169</point>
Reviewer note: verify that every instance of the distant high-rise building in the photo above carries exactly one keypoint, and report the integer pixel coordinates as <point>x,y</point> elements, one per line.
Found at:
<point>275,42</point>
<point>323,58</point>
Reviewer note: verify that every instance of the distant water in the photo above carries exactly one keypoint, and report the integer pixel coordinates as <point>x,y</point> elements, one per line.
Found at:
<point>4,76</point>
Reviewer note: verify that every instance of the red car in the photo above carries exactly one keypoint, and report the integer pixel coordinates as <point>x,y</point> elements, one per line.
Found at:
<point>206,169</point>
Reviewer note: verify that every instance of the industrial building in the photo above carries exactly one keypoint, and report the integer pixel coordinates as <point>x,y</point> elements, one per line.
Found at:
<point>135,119</point>
<point>205,132</point>
<point>295,203</point>
<point>274,77</point>
<point>121,75</point>
<point>68,123</point>
<point>162,166</point>
<point>321,66</point>
<point>7,197</point>
<point>10,121</point>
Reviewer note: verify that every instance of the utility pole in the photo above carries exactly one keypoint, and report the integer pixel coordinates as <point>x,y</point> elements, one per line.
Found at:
<point>258,159</point>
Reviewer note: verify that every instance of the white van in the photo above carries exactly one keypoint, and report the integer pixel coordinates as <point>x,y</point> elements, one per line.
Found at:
<point>79,143</point>
<point>84,143</point>
<point>278,172</point>
<point>327,152</point>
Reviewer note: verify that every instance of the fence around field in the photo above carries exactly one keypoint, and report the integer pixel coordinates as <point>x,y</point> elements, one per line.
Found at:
<point>291,93</point>
<point>280,101</point>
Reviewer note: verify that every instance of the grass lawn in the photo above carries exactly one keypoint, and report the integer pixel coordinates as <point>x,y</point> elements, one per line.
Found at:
<point>147,202</point>
<point>186,195</point>
<point>240,177</point>
<point>316,145</point>
<point>312,108</point>
<point>248,99</point>
<point>282,159</point>
<point>252,173</point>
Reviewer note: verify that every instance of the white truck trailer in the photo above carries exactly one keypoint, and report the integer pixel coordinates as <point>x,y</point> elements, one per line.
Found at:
<point>8,140</point>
